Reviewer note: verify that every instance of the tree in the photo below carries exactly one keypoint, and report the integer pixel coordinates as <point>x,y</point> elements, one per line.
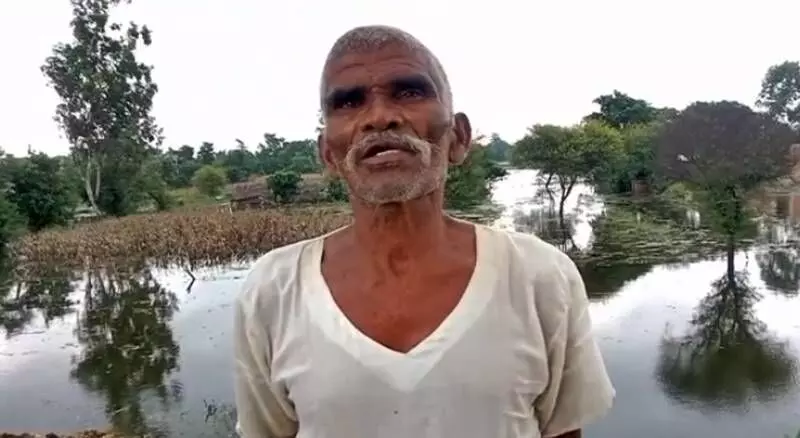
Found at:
<point>40,191</point>
<point>284,185</point>
<point>106,99</point>
<point>470,183</point>
<point>723,143</point>
<point>780,93</point>
<point>152,184</point>
<point>11,223</point>
<point>637,161</point>
<point>723,149</point>
<point>210,180</point>
<point>540,149</point>
<point>498,149</point>
<point>619,110</point>
<point>567,155</point>
<point>206,154</point>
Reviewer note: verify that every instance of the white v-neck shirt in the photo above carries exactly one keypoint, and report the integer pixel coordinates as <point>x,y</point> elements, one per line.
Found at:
<point>515,358</point>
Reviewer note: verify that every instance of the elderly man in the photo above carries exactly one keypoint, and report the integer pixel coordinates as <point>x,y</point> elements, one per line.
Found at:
<point>410,323</point>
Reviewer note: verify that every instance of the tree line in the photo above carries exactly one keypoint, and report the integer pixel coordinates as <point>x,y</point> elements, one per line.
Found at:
<point>117,163</point>
<point>718,150</point>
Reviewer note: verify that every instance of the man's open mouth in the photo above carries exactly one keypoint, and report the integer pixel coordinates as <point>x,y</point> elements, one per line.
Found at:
<point>381,150</point>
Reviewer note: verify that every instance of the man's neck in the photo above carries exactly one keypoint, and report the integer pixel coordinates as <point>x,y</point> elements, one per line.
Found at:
<point>394,238</point>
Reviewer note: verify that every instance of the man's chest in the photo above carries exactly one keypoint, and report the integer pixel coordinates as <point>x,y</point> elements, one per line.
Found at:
<point>399,315</point>
<point>488,368</point>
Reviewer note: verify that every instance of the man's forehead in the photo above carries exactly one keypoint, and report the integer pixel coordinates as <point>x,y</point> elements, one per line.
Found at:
<point>376,64</point>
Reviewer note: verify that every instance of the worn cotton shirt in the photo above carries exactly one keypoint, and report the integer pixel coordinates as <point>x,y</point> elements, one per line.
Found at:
<point>516,357</point>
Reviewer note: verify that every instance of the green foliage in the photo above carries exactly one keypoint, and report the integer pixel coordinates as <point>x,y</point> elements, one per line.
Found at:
<point>210,180</point>
<point>636,162</point>
<point>276,153</point>
<point>723,144</point>
<point>589,151</point>
<point>620,110</point>
<point>40,191</point>
<point>498,149</point>
<point>470,183</point>
<point>336,189</point>
<point>284,185</point>
<point>780,93</point>
<point>726,212</point>
<point>106,97</point>
<point>12,223</point>
<point>152,184</point>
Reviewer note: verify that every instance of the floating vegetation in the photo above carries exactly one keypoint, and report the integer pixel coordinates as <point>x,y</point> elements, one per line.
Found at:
<point>190,239</point>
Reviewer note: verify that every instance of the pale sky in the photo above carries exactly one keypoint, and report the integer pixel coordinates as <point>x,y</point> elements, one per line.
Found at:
<point>232,69</point>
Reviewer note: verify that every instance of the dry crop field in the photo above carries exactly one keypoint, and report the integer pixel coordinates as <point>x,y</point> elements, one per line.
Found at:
<point>191,239</point>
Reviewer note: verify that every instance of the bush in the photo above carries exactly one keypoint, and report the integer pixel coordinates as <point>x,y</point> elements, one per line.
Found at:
<point>40,191</point>
<point>336,190</point>
<point>284,185</point>
<point>210,180</point>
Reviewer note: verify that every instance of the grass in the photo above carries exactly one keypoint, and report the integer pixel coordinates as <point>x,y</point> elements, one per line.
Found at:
<point>189,238</point>
<point>190,196</point>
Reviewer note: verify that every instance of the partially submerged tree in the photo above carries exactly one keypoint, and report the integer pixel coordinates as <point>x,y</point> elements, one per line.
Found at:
<point>724,149</point>
<point>780,93</point>
<point>106,99</point>
<point>568,155</point>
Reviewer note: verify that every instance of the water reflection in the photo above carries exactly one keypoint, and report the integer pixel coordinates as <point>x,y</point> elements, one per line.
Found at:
<point>46,292</point>
<point>780,269</point>
<point>727,359</point>
<point>127,348</point>
<point>549,225</point>
<point>128,345</point>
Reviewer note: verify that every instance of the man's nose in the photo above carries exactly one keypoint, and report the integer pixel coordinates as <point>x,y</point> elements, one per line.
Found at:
<point>381,116</point>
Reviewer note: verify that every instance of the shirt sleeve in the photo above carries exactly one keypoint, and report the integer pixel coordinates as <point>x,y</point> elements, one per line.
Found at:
<point>579,390</point>
<point>263,407</point>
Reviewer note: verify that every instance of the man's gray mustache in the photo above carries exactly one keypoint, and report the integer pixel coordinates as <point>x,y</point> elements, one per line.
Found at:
<point>393,139</point>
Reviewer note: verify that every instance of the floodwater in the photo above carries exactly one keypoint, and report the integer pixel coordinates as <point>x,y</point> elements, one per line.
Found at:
<point>696,346</point>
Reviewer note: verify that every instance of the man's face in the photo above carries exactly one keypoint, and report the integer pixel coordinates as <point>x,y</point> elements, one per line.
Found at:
<point>388,132</point>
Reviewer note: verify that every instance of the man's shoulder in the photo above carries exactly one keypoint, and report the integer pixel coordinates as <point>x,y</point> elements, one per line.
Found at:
<point>539,271</point>
<point>274,272</point>
<point>530,251</point>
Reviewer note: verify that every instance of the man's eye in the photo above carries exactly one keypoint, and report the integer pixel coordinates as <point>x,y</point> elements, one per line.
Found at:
<point>346,104</point>
<point>410,93</point>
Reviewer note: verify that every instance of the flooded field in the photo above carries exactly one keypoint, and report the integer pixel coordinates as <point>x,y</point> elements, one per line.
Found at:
<point>701,340</point>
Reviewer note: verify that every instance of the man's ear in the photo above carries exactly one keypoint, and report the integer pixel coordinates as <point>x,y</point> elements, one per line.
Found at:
<point>325,155</point>
<point>462,141</point>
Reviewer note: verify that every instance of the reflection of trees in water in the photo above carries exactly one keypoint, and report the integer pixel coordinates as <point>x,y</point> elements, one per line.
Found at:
<point>548,225</point>
<point>603,280</point>
<point>728,358</point>
<point>780,269</point>
<point>43,290</point>
<point>128,345</point>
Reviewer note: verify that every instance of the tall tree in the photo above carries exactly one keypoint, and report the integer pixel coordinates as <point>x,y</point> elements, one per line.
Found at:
<point>106,95</point>
<point>567,155</point>
<point>498,149</point>
<point>780,93</point>
<point>619,110</point>
<point>724,149</point>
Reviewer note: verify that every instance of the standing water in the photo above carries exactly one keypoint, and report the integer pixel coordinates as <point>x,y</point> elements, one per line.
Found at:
<point>696,346</point>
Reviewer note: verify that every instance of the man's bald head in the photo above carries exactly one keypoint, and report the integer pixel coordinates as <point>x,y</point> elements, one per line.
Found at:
<point>366,39</point>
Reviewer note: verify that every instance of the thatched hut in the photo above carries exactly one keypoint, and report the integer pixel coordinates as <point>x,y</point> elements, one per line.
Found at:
<point>250,194</point>
<point>257,194</point>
